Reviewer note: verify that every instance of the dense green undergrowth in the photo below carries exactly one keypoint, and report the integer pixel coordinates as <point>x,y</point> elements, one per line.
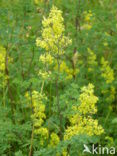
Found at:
<point>58,76</point>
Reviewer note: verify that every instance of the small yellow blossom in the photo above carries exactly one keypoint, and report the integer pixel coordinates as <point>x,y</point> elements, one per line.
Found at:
<point>87,16</point>
<point>46,58</point>
<point>87,26</point>
<point>43,132</point>
<point>54,140</point>
<point>38,115</point>
<point>105,44</point>
<point>65,69</point>
<point>110,94</point>
<point>88,19</point>
<point>2,58</point>
<point>44,74</point>
<point>53,38</point>
<point>85,125</point>
<point>65,153</point>
<point>91,58</point>
<point>38,1</point>
<point>107,71</point>
<point>88,100</point>
<point>81,121</point>
<point>3,62</point>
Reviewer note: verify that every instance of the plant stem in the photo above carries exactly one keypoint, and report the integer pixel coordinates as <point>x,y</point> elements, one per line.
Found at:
<point>32,137</point>
<point>58,99</point>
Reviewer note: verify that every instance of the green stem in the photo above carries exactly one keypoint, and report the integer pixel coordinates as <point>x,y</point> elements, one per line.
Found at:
<point>58,98</point>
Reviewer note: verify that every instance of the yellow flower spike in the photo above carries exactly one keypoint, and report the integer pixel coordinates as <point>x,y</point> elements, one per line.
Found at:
<point>43,132</point>
<point>46,58</point>
<point>65,153</point>
<point>81,121</point>
<point>65,69</point>
<point>2,58</point>
<point>53,38</point>
<point>45,75</point>
<point>91,60</point>
<point>105,44</point>
<point>54,140</point>
<point>88,100</point>
<point>38,1</point>
<point>87,15</point>
<point>4,78</point>
<point>111,92</point>
<point>88,18</point>
<point>87,26</point>
<point>38,115</point>
<point>107,71</point>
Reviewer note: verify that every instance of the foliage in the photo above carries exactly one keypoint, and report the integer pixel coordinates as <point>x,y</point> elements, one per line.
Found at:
<point>58,77</point>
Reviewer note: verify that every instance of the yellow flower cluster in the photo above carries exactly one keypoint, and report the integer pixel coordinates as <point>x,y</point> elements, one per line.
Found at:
<point>43,132</point>
<point>85,125</point>
<point>3,76</point>
<point>110,94</point>
<point>105,43</point>
<point>64,153</point>
<point>44,74</point>
<point>107,71</point>
<point>81,121</point>
<point>53,39</point>
<point>38,1</point>
<point>38,115</point>
<point>91,59</point>
<point>54,140</point>
<point>65,69</point>
<point>38,109</point>
<point>88,20</point>
<point>87,16</point>
<point>88,100</point>
<point>46,58</point>
<point>2,60</point>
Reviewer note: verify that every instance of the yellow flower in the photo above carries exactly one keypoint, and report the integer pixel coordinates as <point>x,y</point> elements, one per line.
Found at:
<point>81,121</point>
<point>88,19</point>
<point>88,100</point>
<point>87,26</point>
<point>107,71</point>
<point>38,115</point>
<point>44,74</point>
<point>91,59</point>
<point>54,140</point>
<point>43,132</point>
<point>2,58</point>
<point>53,38</point>
<point>65,69</point>
<point>87,16</point>
<point>110,94</point>
<point>38,1</point>
<point>65,153</point>
<point>46,58</point>
<point>4,78</point>
<point>105,44</point>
